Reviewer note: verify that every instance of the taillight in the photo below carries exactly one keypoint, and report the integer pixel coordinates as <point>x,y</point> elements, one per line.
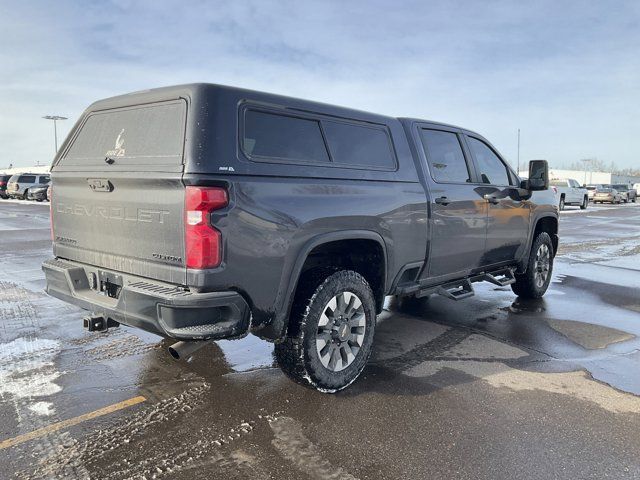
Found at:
<point>203,243</point>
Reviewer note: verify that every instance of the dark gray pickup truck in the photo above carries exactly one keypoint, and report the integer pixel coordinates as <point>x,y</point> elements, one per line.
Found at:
<point>202,212</point>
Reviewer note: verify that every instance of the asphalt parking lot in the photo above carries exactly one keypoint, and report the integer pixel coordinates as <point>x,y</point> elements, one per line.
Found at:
<point>486,388</point>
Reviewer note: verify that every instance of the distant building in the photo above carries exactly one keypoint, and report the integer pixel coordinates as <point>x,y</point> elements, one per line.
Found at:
<point>587,177</point>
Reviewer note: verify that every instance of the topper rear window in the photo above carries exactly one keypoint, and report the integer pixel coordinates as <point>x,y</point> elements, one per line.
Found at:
<point>139,135</point>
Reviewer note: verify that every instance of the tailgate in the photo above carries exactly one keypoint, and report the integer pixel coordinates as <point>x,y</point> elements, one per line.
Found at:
<point>118,196</point>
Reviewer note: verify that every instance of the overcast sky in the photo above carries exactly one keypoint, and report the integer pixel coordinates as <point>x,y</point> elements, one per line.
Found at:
<point>566,73</point>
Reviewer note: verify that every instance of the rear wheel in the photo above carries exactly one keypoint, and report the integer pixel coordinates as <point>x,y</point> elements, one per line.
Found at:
<point>330,333</point>
<point>585,202</point>
<point>24,195</point>
<point>535,281</point>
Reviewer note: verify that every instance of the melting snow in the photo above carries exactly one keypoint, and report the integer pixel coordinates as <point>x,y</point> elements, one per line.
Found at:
<point>42,408</point>
<point>27,371</point>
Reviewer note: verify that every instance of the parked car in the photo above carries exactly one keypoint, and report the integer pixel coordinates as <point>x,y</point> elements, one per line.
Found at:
<point>19,185</point>
<point>592,189</point>
<point>627,194</point>
<point>4,180</point>
<point>607,195</point>
<point>38,192</point>
<point>570,193</point>
<point>234,211</point>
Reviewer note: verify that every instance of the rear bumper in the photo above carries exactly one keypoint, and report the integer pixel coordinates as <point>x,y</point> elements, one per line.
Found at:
<point>156,307</point>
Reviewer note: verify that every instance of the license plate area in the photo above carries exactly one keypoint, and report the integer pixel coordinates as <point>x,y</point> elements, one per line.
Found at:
<point>110,284</point>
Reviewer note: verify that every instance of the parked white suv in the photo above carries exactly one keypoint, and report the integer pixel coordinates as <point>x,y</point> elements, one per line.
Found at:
<point>570,192</point>
<point>19,185</point>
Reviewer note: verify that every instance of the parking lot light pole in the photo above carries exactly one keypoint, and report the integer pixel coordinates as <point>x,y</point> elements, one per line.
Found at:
<point>518,152</point>
<point>587,161</point>
<point>55,119</point>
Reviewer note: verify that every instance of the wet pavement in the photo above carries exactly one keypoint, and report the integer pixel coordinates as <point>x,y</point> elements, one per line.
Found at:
<point>490,387</point>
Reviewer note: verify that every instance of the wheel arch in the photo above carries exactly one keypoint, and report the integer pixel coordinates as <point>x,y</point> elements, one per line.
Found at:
<point>544,223</point>
<point>329,241</point>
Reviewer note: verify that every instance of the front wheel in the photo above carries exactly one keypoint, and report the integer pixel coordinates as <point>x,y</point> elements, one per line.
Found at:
<point>535,281</point>
<point>330,332</point>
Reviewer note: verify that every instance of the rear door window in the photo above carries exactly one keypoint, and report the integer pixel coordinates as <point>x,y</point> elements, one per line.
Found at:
<point>359,145</point>
<point>445,156</point>
<point>141,135</point>
<point>27,179</point>
<point>283,137</point>
<point>491,169</point>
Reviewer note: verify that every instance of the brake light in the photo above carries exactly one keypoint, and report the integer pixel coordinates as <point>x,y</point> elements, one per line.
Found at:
<point>203,242</point>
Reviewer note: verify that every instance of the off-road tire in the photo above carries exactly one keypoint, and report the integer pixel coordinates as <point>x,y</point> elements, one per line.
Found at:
<point>525,285</point>
<point>297,355</point>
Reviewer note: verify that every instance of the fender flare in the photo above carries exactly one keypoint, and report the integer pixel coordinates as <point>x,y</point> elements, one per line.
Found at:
<point>291,275</point>
<point>523,262</point>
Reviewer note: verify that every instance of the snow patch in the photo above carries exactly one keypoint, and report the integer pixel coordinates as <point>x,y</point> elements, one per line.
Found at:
<point>42,408</point>
<point>27,370</point>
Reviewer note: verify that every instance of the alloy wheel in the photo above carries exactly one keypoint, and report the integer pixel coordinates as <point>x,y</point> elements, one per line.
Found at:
<point>542,265</point>
<point>340,331</point>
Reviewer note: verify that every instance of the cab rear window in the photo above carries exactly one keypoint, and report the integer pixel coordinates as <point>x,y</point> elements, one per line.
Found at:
<point>140,135</point>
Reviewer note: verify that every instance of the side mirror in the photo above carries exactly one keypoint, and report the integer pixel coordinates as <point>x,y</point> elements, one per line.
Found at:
<point>538,175</point>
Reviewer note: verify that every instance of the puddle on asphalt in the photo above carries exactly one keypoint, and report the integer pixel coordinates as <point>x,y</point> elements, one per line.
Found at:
<point>249,353</point>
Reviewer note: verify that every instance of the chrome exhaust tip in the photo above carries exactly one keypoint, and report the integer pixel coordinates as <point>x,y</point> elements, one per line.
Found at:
<point>183,350</point>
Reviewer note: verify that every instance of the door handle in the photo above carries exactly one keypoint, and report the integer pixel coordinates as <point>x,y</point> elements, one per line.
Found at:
<point>491,199</point>
<point>442,201</point>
